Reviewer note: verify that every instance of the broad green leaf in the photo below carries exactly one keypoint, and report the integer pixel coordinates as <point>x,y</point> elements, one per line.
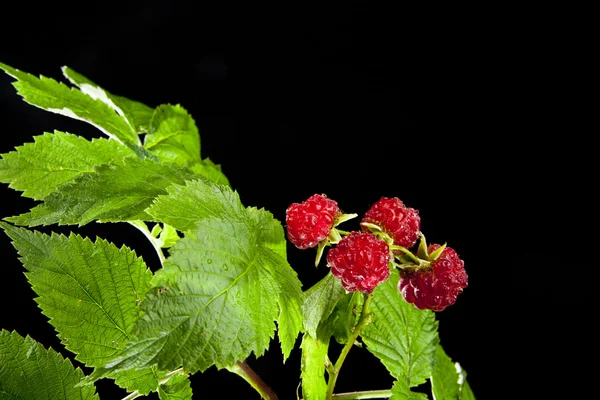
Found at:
<point>403,337</point>
<point>136,114</point>
<point>446,380</point>
<point>220,292</point>
<point>177,388</point>
<point>319,302</point>
<point>173,135</point>
<point>30,372</point>
<point>401,391</point>
<point>210,171</point>
<point>198,200</point>
<point>90,293</point>
<point>113,192</point>
<point>187,204</point>
<point>53,159</point>
<point>449,377</point>
<point>56,97</point>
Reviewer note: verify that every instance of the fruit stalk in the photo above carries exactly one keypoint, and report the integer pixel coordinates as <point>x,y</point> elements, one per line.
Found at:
<point>364,320</point>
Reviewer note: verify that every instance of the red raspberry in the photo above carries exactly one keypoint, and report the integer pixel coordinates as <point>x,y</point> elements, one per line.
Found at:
<point>393,217</point>
<point>361,261</point>
<point>437,286</point>
<point>310,222</point>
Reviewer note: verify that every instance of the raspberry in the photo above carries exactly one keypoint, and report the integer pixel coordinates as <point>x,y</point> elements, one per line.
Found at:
<point>361,261</point>
<point>393,217</point>
<point>437,286</point>
<point>310,222</point>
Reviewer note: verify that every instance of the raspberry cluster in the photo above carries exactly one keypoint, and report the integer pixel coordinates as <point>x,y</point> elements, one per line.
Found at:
<point>430,278</point>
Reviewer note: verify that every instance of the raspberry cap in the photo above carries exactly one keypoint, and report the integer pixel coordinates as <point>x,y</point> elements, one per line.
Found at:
<point>437,285</point>
<point>401,223</point>
<point>361,261</point>
<point>311,221</point>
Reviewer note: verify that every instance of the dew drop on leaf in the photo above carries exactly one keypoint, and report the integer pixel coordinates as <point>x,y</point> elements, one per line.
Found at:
<point>225,267</point>
<point>209,261</point>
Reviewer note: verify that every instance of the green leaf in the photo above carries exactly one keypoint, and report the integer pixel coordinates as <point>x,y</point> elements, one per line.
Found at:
<point>29,372</point>
<point>56,97</point>
<point>177,388</point>
<point>449,379</point>
<point>136,114</point>
<point>210,171</point>
<point>90,292</point>
<point>446,381</point>
<point>173,135</point>
<point>401,391</point>
<point>467,393</point>
<point>403,337</point>
<point>53,159</point>
<point>198,200</point>
<point>221,290</point>
<point>319,302</point>
<point>113,192</point>
<point>168,236</point>
<point>345,316</point>
<point>186,205</point>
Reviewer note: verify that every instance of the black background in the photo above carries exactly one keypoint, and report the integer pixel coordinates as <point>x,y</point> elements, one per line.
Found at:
<point>477,116</point>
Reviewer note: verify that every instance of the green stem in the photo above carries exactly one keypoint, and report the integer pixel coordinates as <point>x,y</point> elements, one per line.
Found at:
<point>364,320</point>
<point>367,394</point>
<point>142,227</point>
<point>242,369</point>
<point>132,395</point>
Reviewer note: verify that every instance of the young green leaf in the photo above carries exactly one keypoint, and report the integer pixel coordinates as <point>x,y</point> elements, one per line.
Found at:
<point>90,292</point>
<point>449,380</point>
<point>220,292</point>
<point>401,391</point>
<point>56,97</point>
<point>345,316</point>
<point>173,136</point>
<point>28,372</point>
<point>53,159</point>
<point>177,388</point>
<point>113,192</point>
<point>319,302</point>
<point>136,114</point>
<point>403,337</point>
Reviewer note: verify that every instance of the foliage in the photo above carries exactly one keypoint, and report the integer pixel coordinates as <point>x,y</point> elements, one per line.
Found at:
<point>224,290</point>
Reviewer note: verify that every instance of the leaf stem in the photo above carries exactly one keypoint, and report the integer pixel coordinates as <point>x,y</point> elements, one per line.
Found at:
<point>142,227</point>
<point>242,369</point>
<point>367,394</point>
<point>364,320</point>
<point>132,395</point>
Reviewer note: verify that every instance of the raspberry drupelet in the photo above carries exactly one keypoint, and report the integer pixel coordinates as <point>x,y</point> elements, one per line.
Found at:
<point>436,286</point>
<point>361,261</point>
<point>401,223</point>
<point>311,221</point>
